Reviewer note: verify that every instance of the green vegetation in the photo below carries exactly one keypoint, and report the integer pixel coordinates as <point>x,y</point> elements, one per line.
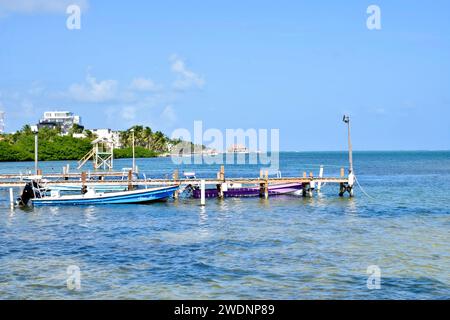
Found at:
<point>140,152</point>
<point>19,146</point>
<point>147,139</point>
<point>52,146</point>
<point>150,143</point>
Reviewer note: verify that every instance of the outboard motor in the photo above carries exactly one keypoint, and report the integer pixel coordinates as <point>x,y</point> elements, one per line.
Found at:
<point>28,193</point>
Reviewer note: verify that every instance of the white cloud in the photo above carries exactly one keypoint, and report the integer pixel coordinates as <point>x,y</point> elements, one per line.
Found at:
<point>128,113</point>
<point>143,84</point>
<point>39,6</point>
<point>93,91</point>
<point>185,78</point>
<point>168,115</point>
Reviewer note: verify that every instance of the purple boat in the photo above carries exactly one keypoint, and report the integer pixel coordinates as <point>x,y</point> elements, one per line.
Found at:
<point>237,192</point>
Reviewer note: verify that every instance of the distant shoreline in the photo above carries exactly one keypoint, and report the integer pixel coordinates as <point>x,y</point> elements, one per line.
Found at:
<point>305,152</point>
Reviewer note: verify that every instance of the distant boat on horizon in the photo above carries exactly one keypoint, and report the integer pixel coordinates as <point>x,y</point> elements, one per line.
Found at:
<point>238,148</point>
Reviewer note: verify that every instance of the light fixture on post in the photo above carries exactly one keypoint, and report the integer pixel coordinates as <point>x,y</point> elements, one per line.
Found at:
<point>346,119</point>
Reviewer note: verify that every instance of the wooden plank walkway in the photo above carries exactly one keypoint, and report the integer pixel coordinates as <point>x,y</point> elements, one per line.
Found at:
<point>155,182</point>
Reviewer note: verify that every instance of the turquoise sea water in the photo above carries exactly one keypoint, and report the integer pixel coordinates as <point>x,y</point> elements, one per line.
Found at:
<point>281,248</point>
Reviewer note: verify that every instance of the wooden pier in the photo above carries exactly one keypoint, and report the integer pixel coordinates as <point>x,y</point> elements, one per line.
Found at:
<point>84,179</point>
<point>129,179</point>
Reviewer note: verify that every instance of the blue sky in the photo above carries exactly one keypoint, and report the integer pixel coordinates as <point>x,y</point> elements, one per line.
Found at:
<point>296,66</point>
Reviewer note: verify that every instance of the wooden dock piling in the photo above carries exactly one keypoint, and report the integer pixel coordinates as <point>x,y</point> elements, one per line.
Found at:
<point>266,184</point>
<point>176,177</point>
<point>130,180</point>
<point>83,182</point>
<point>222,173</point>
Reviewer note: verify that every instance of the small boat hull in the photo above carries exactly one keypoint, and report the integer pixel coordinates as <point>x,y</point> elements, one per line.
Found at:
<point>136,196</point>
<point>274,190</point>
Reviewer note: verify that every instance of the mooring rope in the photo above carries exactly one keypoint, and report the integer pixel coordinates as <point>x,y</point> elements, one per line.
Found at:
<point>362,189</point>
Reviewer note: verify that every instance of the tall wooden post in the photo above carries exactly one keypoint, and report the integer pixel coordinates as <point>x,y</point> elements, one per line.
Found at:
<point>130,177</point>
<point>350,149</point>
<point>83,182</point>
<point>261,189</point>
<point>220,187</point>
<point>175,175</point>
<point>222,173</point>
<point>266,185</point>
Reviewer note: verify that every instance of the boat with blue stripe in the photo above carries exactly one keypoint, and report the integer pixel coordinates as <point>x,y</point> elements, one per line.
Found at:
<point>31,193</point>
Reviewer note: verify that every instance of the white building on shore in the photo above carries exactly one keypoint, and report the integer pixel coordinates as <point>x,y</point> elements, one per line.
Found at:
<point>59,119</point>
<point>109,135</point>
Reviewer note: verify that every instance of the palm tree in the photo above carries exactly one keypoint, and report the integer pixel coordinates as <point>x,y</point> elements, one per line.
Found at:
<point>26,129</point>
<point>90,135</point>
<point>138,135</point>
<point>148,136</point>
<point>125,137</point>
<point>159,142</point>
<point>76,128</point>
